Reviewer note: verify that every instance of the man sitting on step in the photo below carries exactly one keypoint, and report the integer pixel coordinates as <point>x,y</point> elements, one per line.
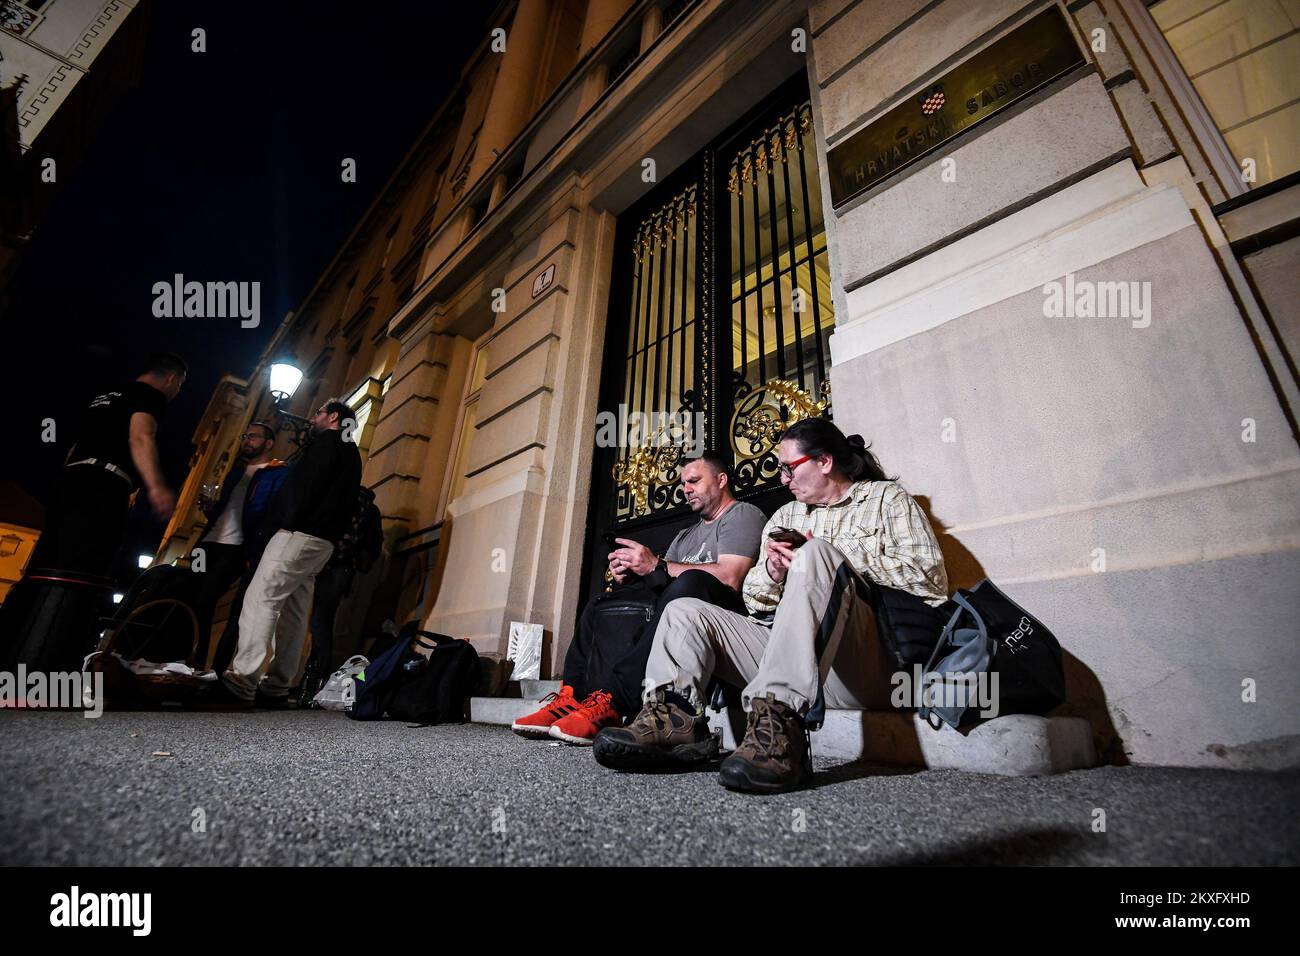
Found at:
<point>812,640</point>
<point>706,562</point>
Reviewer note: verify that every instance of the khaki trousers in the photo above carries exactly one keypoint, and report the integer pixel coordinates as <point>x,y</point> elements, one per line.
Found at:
<point>273,621</point>
<point>822,637</point>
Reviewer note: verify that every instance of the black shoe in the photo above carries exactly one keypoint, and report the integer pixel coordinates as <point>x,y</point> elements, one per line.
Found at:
<point>269,702</point>
<point>307,691</point>
<point>220,697</point>
<point>776,754</point>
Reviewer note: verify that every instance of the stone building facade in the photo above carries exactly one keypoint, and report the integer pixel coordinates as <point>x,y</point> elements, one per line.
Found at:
<point>64,65</point>
<point>620,209</point>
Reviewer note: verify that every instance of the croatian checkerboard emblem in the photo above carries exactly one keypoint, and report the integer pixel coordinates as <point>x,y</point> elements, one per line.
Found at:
<point>932,101</point>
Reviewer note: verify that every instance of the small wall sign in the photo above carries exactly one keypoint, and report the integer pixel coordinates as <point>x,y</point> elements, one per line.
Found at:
<point>1026,59</point>
<point>544,280</point>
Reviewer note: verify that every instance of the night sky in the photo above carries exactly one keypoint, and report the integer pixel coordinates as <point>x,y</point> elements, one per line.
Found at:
<point>222,166</point>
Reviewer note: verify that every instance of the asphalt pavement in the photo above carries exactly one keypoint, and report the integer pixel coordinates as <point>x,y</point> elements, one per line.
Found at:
<point>314,788</point>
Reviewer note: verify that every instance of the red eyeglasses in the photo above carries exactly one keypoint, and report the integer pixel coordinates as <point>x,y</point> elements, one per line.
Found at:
<point>787,468</point>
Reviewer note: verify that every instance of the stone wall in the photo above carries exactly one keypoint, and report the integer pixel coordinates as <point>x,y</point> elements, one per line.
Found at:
<point>1131,479</point>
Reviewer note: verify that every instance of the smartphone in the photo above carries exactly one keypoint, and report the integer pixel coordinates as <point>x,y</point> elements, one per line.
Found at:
<point>609,540</point>
<point>787,536</point>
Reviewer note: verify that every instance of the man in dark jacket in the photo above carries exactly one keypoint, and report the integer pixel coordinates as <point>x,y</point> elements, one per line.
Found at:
<point>311,512</point>
<point>355,553</point>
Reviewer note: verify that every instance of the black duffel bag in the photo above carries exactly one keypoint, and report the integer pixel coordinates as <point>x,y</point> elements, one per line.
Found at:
<point>991,634</point>
<point>437,691</point>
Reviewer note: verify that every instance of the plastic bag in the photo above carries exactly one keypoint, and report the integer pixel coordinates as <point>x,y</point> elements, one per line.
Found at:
<point>525,649</point>
<point>340,691</point>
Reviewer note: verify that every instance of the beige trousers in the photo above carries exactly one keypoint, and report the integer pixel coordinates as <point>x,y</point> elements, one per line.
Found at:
<point>273,622</point>
<point>823,637</point>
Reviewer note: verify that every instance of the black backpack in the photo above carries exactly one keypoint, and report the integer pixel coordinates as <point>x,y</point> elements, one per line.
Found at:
<point>909,628</point>
<point>403,684</point>
<point>437,691</point>
<point>619,622</point>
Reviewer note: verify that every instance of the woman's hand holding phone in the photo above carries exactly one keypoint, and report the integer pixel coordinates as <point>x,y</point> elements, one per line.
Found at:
<point>781,545</point>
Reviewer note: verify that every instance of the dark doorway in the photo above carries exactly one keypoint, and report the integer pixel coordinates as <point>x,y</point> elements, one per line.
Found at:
<point>720,312</point>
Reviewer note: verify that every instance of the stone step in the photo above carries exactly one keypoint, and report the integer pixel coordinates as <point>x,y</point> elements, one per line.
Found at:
<point>1017,745</point>
<point>500,710</point>
<point>537,689</point>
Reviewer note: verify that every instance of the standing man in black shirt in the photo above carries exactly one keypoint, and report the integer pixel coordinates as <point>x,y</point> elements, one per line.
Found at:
<point>312,511</point>
<point>115,453</point>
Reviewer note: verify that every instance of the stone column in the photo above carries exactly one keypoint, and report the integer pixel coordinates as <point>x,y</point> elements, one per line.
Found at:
<point>652,24</point>
<point>515,537</point>
<point>512,92</point>
<point>400,447</point>
<point>600,19</point>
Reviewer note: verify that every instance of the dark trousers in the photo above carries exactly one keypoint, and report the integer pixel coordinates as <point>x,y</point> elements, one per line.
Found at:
<point>86,522</point>
<point>623,677</point>
<point>223,565</point>
<point>229,641</point>
<point>332,586</point>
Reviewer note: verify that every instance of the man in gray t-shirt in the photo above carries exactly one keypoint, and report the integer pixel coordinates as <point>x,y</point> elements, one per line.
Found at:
<point>708,560</point>
<point>735,532</point>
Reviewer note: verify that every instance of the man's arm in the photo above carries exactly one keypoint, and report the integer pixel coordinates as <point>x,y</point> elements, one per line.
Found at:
<point>636,558</point>
<point>730,569</point>
<point>761,591</point>
<point>144,454</point>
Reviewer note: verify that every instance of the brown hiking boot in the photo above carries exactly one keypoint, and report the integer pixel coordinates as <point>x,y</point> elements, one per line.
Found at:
<point>775,755</point>
<point>664,734</point>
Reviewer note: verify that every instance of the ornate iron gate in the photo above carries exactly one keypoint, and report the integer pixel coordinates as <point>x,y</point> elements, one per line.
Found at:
<point>720,315</point>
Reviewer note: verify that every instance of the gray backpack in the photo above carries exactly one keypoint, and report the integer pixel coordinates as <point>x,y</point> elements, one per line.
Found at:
<point>993,653</point>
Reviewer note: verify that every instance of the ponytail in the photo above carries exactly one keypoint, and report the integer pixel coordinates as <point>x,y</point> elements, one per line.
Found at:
<point>866,466</point>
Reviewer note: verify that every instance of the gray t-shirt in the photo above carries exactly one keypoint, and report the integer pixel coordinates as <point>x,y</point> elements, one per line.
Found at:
<point>738,531</point>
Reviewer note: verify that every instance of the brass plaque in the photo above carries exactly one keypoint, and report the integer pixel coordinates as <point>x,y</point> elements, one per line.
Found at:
<point>1026,59</point>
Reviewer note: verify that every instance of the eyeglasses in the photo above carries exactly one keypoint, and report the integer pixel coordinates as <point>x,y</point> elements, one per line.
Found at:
<point>787,468</point>
<point>261,435</point>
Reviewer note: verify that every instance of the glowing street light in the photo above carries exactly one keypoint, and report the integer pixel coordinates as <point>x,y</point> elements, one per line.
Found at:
<point>143,561</point>
<point>285,379</point>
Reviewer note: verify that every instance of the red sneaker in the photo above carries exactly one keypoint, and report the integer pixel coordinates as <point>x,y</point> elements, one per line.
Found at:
<point>581,726</point>
<point>554,706</point>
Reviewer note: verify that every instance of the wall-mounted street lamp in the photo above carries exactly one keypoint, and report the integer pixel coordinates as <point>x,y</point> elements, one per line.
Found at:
<point>143,561</point>
<point>285,377</point>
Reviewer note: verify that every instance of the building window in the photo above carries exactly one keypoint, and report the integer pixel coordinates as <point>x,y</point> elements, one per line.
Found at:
<point>1240,56</point>
<point>455,480</point>
<point>366,401</point>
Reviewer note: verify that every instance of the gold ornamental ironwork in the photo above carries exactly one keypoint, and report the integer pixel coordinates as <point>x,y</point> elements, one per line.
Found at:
<point>645,467</point>
<point>766,412</point>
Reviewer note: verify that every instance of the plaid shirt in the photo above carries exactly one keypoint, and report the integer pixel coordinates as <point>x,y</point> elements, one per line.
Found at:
<point>880,530</point>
